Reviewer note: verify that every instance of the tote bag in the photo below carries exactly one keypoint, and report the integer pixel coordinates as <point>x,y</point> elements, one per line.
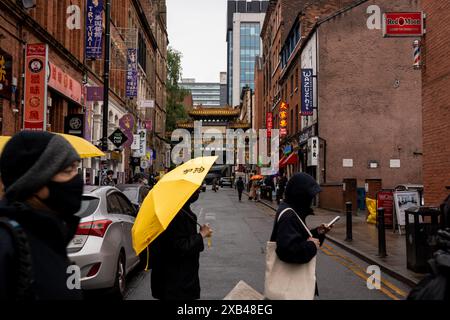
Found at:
<point>289,281</point>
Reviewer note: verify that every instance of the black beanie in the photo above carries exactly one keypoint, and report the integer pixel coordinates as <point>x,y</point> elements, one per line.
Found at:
<point>30,160</point>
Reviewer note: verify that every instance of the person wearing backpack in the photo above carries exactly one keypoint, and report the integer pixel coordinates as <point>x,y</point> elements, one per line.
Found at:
<point>42,192</point>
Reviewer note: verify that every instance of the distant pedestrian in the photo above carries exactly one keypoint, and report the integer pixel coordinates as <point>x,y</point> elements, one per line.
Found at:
<point>252,194</point>
<point>294,245</point>
<point>282,181</point>
<point>108,180</point>
<point>214,184</point>
<point>43,191</point>
<point>240,187</point>
<point>175,256</point>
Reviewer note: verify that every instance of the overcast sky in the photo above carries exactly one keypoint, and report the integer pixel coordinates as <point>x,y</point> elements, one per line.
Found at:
<point>197,28</point>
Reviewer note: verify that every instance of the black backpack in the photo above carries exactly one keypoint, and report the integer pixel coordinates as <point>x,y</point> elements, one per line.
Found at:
<point>23,266</point>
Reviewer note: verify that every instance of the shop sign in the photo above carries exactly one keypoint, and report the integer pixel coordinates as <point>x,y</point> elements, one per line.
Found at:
<point>74,125</point>
<point>65,84</point>
<point>5,74</point>
<point>35,109</point>
<point>403,24</point>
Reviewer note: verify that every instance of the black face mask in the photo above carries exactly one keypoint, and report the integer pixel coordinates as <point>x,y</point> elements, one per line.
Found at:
<point>65,197</point>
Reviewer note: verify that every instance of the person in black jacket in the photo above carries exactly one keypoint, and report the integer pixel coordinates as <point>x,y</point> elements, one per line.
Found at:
<point>42,192</point>
<point>294,245</point>
<point>175,256</point>
<point>240,187</point>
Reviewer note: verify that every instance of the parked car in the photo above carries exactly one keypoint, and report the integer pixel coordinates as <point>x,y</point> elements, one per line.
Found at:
<point>226,181</point>
<point>102,246</point>
<point>136,193</point>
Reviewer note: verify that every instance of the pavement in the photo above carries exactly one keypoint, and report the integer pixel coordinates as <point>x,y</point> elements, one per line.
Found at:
<point>365,243</point>
<point>235,262</point>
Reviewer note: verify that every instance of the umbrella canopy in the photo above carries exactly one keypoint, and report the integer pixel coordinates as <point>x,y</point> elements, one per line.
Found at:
<point>84,148</point>
<point>257,177</point>
<point>166,199</point>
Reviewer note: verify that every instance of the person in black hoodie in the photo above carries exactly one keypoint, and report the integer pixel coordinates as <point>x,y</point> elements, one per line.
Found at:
<point>294,245</point>
<point>175,256</point>
<point>42,192</point>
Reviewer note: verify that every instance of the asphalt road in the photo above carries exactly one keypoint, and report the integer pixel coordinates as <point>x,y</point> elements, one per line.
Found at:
<point>241,230</point>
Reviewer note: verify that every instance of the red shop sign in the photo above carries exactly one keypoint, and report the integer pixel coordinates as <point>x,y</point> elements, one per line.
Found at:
<point>403,24</point>
<point>385,199</point>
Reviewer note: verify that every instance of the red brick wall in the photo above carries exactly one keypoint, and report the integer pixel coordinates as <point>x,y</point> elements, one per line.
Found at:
<point>436,102</point>
<point>363,115</point>
<point>331,197</point>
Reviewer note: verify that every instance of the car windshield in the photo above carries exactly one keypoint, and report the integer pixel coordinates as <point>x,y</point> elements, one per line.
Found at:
<point>88,206</point>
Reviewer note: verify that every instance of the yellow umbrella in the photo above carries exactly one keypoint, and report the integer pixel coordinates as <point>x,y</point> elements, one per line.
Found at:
<point>84,148</point>
<point>166,199</point>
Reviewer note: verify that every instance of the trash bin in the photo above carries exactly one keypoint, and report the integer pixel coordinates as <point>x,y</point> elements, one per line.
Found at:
<point>421,236</point>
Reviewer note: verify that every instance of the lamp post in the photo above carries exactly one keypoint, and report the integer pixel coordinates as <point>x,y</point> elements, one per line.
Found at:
<point>106,70</point>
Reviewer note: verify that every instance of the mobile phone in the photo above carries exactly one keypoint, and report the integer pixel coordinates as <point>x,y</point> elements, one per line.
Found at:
<point>333,221</point>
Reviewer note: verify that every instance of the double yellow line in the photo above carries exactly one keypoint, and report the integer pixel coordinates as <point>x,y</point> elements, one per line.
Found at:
<point>388,288</point>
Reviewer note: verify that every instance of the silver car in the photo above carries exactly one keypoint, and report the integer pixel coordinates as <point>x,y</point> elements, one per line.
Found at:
<point>102,246</point>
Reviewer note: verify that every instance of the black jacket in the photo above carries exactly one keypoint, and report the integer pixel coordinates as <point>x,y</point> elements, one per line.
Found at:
<point>48,237</point>
<point>291,238</point>
<point>240,185</point>
<point>175,256</point>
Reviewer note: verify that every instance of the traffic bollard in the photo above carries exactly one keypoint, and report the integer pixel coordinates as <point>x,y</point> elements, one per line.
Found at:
<point>348,210</point>
<point>381,234</point>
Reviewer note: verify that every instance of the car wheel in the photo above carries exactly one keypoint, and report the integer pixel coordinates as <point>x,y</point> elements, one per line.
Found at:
<point>120,280</point>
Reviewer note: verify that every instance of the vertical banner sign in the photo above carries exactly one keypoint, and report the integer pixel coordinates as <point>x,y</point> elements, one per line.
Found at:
<point>35,110</point>
<point>269,124</point>
<point>283,118</point>
<point>94,29</point>
<point>132,74</point>
<point>307,92</point>
<point>313,152</point>
<point>142,133</point>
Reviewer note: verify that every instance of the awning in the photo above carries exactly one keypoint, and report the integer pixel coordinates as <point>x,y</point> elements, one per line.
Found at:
<point>291,159</point>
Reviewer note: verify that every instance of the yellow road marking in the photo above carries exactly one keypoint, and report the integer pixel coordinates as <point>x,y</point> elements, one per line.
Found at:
<point>359,271</point>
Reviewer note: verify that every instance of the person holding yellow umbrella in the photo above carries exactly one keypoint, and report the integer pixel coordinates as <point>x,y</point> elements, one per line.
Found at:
<point>167,226</point>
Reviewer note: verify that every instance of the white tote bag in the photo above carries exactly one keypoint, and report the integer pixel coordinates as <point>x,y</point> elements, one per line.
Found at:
<point>289,281</point>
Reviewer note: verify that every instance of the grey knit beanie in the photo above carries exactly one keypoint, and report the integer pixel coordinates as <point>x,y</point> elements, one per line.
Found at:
<point>30,160</point>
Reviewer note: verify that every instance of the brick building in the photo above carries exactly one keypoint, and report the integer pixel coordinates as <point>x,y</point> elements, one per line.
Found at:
<point>436,103</point>
<point>47,23</point>
<point>367,97</point>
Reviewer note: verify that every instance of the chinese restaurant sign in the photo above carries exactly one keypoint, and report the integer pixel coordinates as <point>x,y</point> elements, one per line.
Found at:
<point>403,24</point>
<point>65,84</point>
<point>35,110</point>
<point>94,29</point>
<point>283,118</point>
<point>132,74</point>
<point>307,92</point>
<point>269,124</point>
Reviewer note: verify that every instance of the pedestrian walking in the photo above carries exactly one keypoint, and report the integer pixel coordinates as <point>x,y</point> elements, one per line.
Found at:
<point>252,194</point>
<point>240,187</point>
<point>176,254</point>
<point>214,184</point>
<point>294,244</point>
<point>42,193</point>
<point>108,180</point>
<point>282,181</point>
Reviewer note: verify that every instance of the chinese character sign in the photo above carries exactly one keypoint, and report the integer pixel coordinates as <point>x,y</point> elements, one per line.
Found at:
<point>283,118</point>
<point>269,124</point>
<point>132,74</point>
<point>94,29</point>
<point>35,110</point>
<point>307,92</point>
<point>5,74</point>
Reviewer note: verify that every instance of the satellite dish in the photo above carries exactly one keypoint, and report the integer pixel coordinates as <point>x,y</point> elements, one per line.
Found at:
<point>29,4</point>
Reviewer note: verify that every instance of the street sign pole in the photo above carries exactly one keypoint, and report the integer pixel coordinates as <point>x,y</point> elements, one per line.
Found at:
<point>106,70</point>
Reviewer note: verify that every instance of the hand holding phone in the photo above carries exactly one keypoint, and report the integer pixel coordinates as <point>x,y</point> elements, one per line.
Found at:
<point>333,221</point>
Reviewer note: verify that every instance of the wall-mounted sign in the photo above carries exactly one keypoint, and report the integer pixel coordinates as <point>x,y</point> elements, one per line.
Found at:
<point>5,74</point>
<point>147,104</point>
<point>403,24</point>
<point>35,110</point>
<point>94,29</point>
<point>307,133</point>
<point>142,150</point>
<point>132,73</point>
<point>269,124</point>
<point>94,93</point>
<point>283,118</point>
<point>65,84</point>
<point>307,92</point>
<point>313,152</point>
<point>118,138</point>
<point>74,125</point>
